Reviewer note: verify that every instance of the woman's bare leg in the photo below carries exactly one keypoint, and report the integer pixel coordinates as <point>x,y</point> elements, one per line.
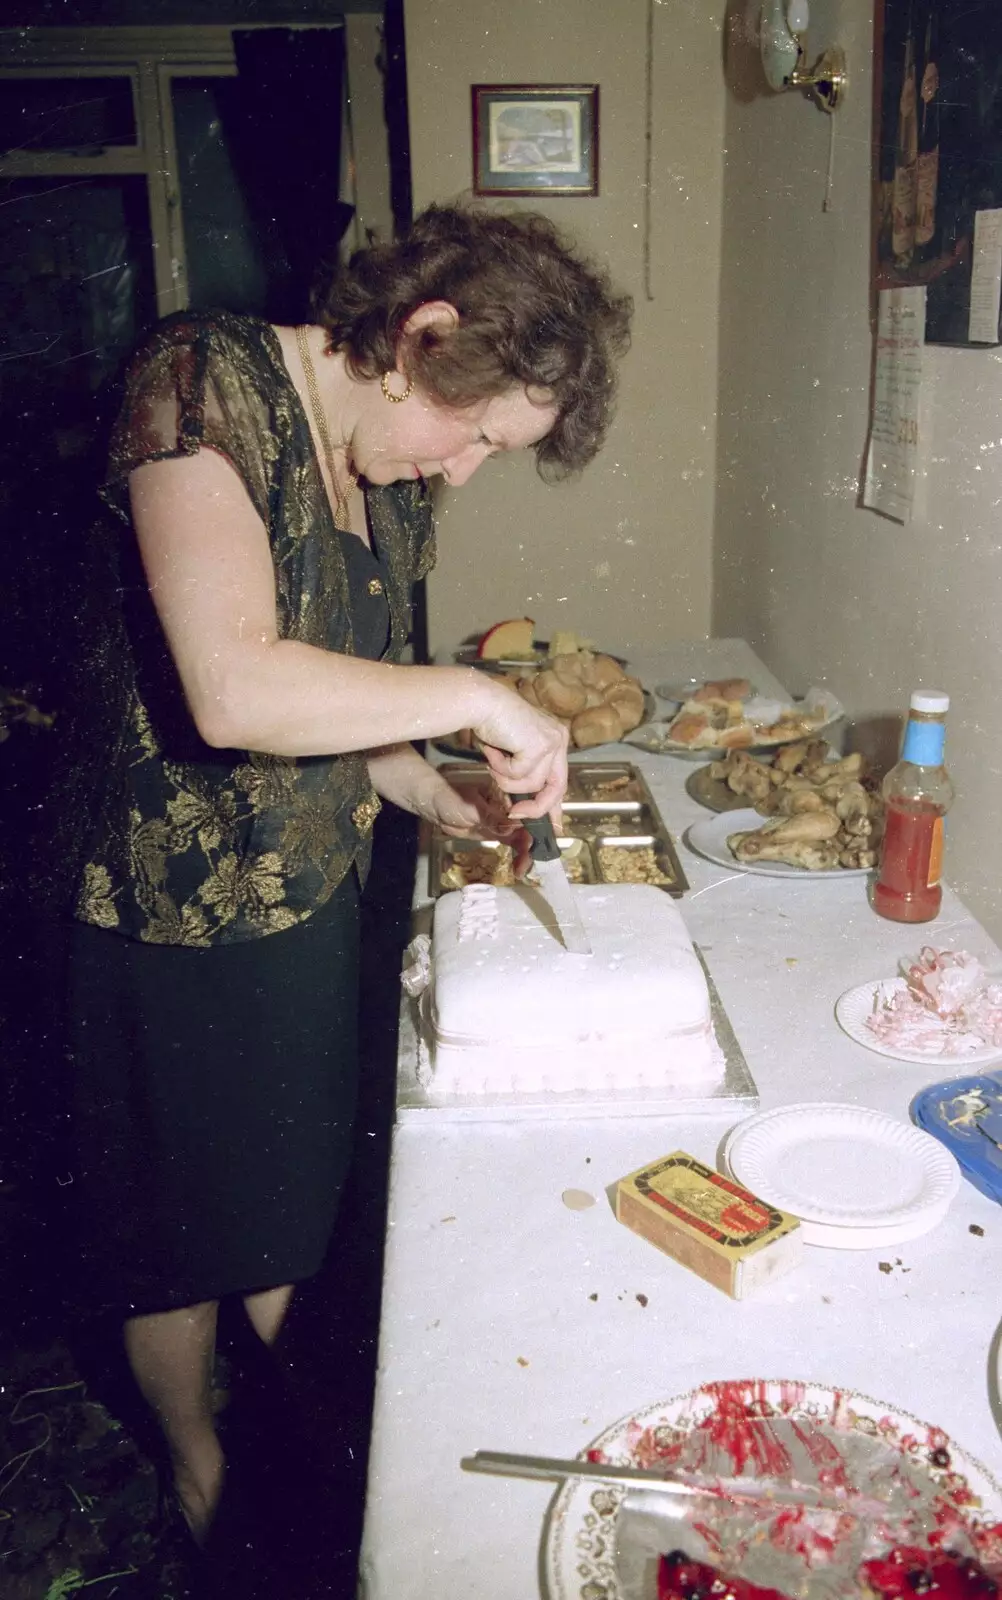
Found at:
<point>266,1311</point>
<point>170,1354</point>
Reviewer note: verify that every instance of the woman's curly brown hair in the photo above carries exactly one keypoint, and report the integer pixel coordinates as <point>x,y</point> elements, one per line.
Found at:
<point>531,309</point>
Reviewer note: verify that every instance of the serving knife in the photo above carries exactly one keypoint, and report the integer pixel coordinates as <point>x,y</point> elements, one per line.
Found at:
<point>685,1485</point>
<point>554,883</point>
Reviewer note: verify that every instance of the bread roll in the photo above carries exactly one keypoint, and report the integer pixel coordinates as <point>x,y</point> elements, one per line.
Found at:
<point>567,667</point>
<point>724,689</point>
<point>527,689</point>
<point>628,698</point>
<point>561,699</point>
<point>738,738</point>
<point>688,726</point>
<point>587,659</point>
<point>598,725</point>
<point>605,672</point>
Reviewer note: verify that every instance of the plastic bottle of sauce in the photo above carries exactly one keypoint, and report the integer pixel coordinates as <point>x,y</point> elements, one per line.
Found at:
<point>918,793</point>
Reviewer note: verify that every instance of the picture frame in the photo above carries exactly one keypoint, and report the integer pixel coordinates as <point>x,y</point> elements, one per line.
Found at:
<point>535,138</point>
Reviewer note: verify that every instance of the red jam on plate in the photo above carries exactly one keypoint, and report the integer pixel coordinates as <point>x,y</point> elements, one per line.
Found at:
<point>901,1575</point>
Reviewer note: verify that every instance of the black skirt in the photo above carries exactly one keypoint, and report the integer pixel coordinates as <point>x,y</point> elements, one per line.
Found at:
<point>213,1097</point>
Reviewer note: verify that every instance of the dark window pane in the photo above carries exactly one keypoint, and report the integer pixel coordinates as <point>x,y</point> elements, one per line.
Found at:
<point>221,241</point>
<point>66,113</point>
<point>76,286</point>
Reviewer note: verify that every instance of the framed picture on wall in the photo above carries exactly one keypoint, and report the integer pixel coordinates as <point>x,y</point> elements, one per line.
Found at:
<point>535,138</point>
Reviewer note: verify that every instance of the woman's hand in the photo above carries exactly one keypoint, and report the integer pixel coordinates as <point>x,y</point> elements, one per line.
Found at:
<point>526,750</point>
<point>478,811</point>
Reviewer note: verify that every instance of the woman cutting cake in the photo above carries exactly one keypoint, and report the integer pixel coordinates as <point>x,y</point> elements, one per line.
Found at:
<point>271,489</point>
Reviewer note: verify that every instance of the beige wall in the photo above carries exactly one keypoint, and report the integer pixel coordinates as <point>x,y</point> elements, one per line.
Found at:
<point>364,43</point>
<point>624,553</point>
<point>827,591</point>
<point>747,476</point>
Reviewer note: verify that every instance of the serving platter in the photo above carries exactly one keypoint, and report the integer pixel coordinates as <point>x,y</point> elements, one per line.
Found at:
<point>679,690</point>
<point>708,838</point>
<point>613,833</point>
<point>653,737</point>
<point>713,793</point>
<point>466,656</point>
<point>449,747</point>
<point>728,1427</point>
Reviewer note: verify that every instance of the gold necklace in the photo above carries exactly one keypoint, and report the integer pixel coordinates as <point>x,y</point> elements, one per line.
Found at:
<point>342,496</point>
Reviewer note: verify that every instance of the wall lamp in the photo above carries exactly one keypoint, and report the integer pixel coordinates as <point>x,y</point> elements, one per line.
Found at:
<point>782,26</point>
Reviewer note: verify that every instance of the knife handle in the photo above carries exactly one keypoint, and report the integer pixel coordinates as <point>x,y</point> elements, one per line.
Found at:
<point>540,829</point>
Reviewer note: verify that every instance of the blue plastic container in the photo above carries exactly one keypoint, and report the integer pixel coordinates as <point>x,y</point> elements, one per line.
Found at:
<point>965,1114</point>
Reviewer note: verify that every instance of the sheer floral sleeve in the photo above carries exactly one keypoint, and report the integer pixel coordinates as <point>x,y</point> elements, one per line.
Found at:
<point>194,385</point>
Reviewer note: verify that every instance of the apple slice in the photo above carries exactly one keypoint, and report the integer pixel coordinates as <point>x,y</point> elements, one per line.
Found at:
<point>508,641</point>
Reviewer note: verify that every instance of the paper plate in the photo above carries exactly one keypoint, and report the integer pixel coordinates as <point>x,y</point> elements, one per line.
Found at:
<point>826,1236</point>
<point>856,1005</point>
<point>708,838</point>
<point>580,1535</point>
<point>844,1167</point>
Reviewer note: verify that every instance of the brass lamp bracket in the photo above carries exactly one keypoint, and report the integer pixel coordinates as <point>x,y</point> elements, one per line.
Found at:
<point>825,82</point>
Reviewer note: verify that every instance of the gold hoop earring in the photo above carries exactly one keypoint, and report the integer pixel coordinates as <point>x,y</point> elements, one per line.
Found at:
<point>395,399</point>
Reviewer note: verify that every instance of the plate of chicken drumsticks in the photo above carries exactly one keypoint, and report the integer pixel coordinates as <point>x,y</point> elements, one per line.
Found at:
<point>808,812</point>
<point>809,845</point>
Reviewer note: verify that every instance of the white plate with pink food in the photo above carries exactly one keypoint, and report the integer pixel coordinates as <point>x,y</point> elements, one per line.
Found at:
<point>943,1007</point>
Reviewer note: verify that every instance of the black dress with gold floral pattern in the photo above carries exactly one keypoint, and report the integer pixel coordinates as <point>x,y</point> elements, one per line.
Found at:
<point>195,846</point>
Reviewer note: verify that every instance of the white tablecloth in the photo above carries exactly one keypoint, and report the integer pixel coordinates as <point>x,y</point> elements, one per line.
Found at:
<point>513,1323</point>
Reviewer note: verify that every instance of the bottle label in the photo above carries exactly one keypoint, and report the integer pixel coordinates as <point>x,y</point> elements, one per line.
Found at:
<point>924,744</point>
<point>935,871</point>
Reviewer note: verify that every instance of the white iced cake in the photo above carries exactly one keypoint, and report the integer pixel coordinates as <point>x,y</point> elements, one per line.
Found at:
<point>512,1011</point>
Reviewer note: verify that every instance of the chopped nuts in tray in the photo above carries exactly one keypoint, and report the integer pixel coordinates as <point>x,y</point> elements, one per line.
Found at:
<point>588,823</point>
<point>613,833</point>
<point>632,863</point>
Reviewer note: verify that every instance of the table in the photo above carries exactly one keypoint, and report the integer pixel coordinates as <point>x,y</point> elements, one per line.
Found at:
<point>513,1323</point>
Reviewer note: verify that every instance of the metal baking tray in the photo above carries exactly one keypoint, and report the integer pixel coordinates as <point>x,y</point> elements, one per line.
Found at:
<point>614,834</point>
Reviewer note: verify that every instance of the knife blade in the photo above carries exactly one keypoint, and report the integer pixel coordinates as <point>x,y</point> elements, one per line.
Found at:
<point>684,1485</point>
<point>554,883</point>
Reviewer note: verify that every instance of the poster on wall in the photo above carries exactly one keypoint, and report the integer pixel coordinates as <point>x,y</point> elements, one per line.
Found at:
<point>938,159</point>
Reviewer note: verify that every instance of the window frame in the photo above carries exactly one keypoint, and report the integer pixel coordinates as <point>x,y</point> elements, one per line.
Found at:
<point>150,57</point>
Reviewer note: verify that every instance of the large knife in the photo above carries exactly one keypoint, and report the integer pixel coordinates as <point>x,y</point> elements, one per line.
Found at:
<point>553,882</point>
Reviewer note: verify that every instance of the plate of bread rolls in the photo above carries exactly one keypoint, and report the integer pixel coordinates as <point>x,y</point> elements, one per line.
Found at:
<point>706,726</point>
<point>592,694</point>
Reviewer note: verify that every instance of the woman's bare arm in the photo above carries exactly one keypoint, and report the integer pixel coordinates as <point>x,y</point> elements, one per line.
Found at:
<point>208,564</point>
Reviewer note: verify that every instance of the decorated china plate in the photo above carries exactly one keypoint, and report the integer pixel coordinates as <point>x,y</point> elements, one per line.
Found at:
<point>803,1433</point>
